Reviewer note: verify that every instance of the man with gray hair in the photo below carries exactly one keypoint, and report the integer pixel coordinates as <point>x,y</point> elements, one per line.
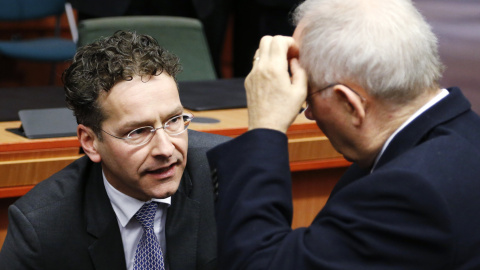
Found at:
<point>368,71</point>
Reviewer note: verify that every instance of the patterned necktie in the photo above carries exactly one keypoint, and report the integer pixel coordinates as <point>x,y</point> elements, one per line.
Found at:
<point>149,255</point>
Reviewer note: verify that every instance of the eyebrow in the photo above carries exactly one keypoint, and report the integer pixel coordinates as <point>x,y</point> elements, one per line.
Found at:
<point>133,123</point>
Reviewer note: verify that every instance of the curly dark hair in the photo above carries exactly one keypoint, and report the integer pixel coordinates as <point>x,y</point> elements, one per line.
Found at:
<point>100,65</point>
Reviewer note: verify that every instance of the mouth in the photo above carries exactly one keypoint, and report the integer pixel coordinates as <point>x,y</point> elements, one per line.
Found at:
<point>164,172</point>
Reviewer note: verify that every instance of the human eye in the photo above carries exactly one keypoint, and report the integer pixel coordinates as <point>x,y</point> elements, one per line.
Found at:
<point>178,124</point>
<point>139,133</point>
<point>175,124</point>
<point>174,120</point>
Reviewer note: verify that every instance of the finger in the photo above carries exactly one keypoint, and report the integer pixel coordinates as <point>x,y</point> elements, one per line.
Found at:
<point>264,47</point>
<point>279,49</point>
<point>299,75</point>
<point>280,45</point>
<point>299,80</point>
<point>293,51</point>
<point>256,57</point>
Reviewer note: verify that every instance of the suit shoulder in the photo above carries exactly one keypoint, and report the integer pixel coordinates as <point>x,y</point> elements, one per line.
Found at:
<point>67,183</point>
<point>197,139</point>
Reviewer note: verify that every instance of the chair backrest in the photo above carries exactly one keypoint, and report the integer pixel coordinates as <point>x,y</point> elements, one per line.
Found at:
<point>30,9</point>
<point>182,36</point>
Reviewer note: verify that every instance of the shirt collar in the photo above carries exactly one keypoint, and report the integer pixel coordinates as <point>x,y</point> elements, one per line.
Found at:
<point>125,206</point>
<point>443,93</point>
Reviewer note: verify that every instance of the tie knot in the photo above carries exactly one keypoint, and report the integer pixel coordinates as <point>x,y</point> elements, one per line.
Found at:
<point>146,214</point>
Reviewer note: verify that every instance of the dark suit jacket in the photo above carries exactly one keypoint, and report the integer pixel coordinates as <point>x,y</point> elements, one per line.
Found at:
<point>67,221</point>
<point>419,209</point>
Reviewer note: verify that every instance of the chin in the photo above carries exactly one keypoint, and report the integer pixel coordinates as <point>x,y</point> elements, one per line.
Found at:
<point>166,190</point>
<point>348,159</point>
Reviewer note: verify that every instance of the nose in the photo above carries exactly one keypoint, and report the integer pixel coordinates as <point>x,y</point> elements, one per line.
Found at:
<point>308,112</point>
<point>162,144</point>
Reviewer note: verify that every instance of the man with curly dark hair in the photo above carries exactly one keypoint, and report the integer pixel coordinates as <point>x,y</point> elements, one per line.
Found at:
<point>131,126</point>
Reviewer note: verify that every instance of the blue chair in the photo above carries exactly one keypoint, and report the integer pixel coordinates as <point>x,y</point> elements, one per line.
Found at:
<point>48,49</point>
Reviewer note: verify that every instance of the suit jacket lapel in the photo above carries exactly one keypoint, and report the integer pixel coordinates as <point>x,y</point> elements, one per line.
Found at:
<point>106,247</point>
<point>182,226</point>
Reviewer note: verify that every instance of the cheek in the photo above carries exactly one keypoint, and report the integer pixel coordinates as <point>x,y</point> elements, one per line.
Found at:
<point>308,113</point>
<point>322,116</point>
<point>316,113</point>
<point>127,158</point>
<point>181,145</point>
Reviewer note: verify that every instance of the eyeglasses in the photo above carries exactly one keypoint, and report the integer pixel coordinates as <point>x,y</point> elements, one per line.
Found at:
<point>173,126</point>
<point>309,96</point>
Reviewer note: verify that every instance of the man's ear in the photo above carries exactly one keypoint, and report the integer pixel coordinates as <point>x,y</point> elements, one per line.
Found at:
<point>352,103</point>
<point>89,142</point>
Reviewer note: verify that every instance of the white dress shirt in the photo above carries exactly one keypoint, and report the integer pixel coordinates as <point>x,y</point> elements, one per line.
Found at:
<point>443,93</point>
<point>125,208</point>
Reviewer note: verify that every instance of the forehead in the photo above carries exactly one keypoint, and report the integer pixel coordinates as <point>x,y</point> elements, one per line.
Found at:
<point>141,98</point>
<point>297,34</point>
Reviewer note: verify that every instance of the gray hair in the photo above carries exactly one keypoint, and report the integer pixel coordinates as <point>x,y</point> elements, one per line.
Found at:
<point>385,46</point>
